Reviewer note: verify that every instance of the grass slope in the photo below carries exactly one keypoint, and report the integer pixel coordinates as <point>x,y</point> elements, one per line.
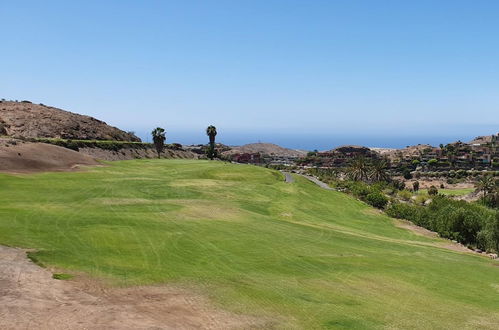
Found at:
<point>311,258</point>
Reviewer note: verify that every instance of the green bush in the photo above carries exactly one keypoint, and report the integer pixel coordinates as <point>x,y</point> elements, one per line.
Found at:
<point>377,199</point>
<point>403,211</point>
<point>360,189</point>
<point>432,191</point>
<point>468,223</point>
<point>405,195</point>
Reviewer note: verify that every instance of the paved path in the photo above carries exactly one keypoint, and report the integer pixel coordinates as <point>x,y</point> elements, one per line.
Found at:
<point>288,178</point>
<point>317,182</point>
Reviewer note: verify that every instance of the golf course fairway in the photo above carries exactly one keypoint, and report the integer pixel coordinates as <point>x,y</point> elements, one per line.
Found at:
<point>294,253</point>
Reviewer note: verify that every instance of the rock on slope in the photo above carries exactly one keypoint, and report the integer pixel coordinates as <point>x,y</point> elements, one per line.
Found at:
<point>266,149</point>
<point>28,120</point>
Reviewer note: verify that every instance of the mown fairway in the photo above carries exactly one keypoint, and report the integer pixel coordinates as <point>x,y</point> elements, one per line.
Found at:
<point>307,257</point>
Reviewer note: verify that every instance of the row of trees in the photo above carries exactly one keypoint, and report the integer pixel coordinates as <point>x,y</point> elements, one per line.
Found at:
<point>159,139</point>
<point>363,169</point>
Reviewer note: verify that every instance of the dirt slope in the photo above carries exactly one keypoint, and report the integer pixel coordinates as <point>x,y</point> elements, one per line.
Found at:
<point>128,153</point>
<point>266,149</point>
<point>27,120</point>
<point>25,157</point>
<point>31,299</point>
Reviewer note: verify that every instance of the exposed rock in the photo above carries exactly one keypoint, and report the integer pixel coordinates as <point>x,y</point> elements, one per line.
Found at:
<point>27,120</point>
<point>265,149</point>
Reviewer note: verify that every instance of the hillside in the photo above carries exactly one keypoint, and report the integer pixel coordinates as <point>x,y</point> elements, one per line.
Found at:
<point>269,253</point>
<point>28,120</point>
<point>25,157</point>
<point>265,149</point>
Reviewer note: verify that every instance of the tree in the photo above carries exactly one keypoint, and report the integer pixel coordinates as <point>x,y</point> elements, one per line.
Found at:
<point>415,185</point>
<point>358,169</point>
<point>159,138</point>
<point>377,172</point>
<point>486,185</point>
<point>211,131</point>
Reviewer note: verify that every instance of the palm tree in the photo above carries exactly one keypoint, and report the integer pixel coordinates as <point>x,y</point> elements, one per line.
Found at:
<point>486,184</point>
<point>378,171</point>
<point>359,169</point>
<point>159,138</point>
<point>211,131</point>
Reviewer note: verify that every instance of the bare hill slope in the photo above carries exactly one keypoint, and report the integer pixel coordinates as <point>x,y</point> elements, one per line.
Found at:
<point>28,120</point>
<point>266,149</point>
<point>24,157</point>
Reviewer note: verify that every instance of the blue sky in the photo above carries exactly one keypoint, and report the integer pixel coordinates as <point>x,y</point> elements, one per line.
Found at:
<point>305,74</point>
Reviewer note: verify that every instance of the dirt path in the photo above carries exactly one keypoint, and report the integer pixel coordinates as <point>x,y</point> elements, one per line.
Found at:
<point>288,178</point>
<point>31,299</point>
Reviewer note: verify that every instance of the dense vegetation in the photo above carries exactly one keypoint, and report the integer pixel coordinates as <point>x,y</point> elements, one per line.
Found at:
<point>294,253</point>
<point>473,224</point>
<point>468,223</point>
<point>102,144</point>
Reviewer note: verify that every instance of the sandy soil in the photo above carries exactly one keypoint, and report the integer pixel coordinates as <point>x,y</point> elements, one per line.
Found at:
<point>26,157</point>
<point>31,299</point>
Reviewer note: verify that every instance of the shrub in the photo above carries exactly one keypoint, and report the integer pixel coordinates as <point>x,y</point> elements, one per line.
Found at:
<point>432,162</point>
<point>432,191</point>
<point>415,185</point>
<point>402,211</point>
<point>398,184</point>
<point>360,190</point>
<point>421,199</point>
<point>377,199</point>
<point>405,195</point>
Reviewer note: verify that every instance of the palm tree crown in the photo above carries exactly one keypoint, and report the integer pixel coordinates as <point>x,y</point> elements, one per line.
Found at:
<point>211,131</point>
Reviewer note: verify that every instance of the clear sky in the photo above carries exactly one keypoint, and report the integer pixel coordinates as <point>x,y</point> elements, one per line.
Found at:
<point>305,74</point>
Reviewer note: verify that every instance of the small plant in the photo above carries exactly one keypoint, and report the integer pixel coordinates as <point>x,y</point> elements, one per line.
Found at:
<point>62,276</point>
<point>415,186</point>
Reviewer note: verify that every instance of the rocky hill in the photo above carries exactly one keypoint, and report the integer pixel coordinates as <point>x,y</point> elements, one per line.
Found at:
<point>27,120</point>
<point>268,149</point>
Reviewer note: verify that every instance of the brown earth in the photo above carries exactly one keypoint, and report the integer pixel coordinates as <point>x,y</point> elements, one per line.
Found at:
<point>24,157</point>
<point>31,299</point>
<point>265,149</point>
<point>28,120</point>
<point>129,153</point>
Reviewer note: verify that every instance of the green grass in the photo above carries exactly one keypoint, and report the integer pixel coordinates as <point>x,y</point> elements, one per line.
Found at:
<point>62,276</point>
<point>304,256</point>
<point>451,192</point>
